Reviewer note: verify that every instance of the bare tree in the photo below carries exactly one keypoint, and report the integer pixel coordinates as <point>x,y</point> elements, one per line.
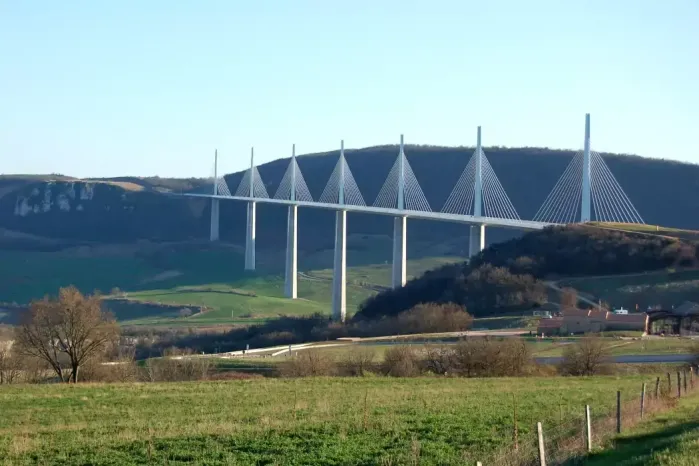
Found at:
<point>10,367</point>
<point>66,332</point>
<point>587,357</point>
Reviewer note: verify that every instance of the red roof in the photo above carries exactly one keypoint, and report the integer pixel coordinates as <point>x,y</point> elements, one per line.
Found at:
<point>627,318</point>
<point>576,313</point>
<point>553,322</point>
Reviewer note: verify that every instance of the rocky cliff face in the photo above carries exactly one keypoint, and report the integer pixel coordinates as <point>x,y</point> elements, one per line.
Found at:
<point>61,196</point>
<point>100,211</point>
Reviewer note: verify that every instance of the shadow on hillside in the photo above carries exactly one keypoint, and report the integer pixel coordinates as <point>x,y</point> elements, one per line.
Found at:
<point>638,449</point>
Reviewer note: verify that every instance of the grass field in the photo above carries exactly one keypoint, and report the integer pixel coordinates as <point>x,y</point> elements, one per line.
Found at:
<point>285,421</point>
<point>666,288</point>
<point>623,347</point>
<point>670,439</point>
<point>380,274</point>
<point>655,230</point>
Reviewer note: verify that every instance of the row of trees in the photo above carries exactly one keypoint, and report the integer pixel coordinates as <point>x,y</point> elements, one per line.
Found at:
<point>472,357</point>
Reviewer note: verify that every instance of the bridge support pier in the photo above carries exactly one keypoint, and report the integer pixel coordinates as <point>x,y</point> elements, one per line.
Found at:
<point>476,241</point>
<point>290,277</point>
<point>398,273</point>
<point>214,231</point>
<point>250,238</point>
<point>340,267</point>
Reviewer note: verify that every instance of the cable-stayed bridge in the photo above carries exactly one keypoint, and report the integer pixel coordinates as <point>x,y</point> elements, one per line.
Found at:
<point>586,191</point>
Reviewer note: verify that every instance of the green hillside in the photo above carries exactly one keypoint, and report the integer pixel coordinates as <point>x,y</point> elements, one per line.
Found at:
<point>192,284</point>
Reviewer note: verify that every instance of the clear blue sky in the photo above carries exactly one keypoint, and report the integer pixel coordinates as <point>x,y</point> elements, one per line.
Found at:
<point>134,87</point>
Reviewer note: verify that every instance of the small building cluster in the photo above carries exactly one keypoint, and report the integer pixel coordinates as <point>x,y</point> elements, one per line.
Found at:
<point>680,320</point>
<point>592,321</point>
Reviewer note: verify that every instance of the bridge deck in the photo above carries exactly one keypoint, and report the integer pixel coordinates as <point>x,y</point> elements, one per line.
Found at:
<point>439,216</point>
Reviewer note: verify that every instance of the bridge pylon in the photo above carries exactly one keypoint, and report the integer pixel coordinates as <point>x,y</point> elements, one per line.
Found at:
<point>478,192</point>
<point>252,187</point>
<point>587,191</point>
<point>215,207</point>
<point>401,191</point>
<point>292,187</point>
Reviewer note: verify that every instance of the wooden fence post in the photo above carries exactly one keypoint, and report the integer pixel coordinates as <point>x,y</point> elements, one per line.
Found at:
<point>691,377</point>
<point>685,380</point>
<point>657,388</point>
<point>542,449</point>
<point>679,385</point>
<point>618,412</point>
<point>643,399</point>
<point>669,384</point>
<point>588,425</point>
<point>514,419</point>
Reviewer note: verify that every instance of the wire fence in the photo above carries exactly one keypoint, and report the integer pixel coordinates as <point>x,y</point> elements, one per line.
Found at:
<point>588,428</point>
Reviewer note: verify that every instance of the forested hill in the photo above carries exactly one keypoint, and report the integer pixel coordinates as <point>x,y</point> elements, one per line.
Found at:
<point>508,276</point>
<point>127,209</point>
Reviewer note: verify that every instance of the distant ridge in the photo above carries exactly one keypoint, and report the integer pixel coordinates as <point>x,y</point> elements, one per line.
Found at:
<point>664,192</point>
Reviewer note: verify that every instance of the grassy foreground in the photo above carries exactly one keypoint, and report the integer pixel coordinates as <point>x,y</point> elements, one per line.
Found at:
<point>323,421</point>
<point>671,438</point>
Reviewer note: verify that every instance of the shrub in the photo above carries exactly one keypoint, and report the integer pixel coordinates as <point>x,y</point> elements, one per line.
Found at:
<point>358,362</point>
<point>178,365</point>
<point>439,360</point>
<point>122,370</point>
<point>434,318</point>
<point>308,363</point>
<point>401,361</point>
<point>10,364</point>
<point>485,357</point>
<point>587,357</point>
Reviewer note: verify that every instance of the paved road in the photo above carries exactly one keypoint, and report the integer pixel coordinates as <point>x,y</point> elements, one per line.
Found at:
<point>632,359</point>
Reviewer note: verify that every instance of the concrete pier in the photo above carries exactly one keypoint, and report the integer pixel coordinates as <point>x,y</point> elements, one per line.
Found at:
<point>398,273</point>
<point>214,231</point>
<point>476,242</point>
<point>290,276</point>
<point>339,307</point>
<point>250,238</point>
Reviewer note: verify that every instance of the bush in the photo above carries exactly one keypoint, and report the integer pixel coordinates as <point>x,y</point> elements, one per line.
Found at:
<point>587,357</point>
<point>122,371</point>
<point>439,360</point>
<point>308,363</point>
<point>434,318</point>
<point>401,361</point>
<point>485,357</point>
<point>177,366</point>
<point>358,362</point>
<point>10,364</point>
